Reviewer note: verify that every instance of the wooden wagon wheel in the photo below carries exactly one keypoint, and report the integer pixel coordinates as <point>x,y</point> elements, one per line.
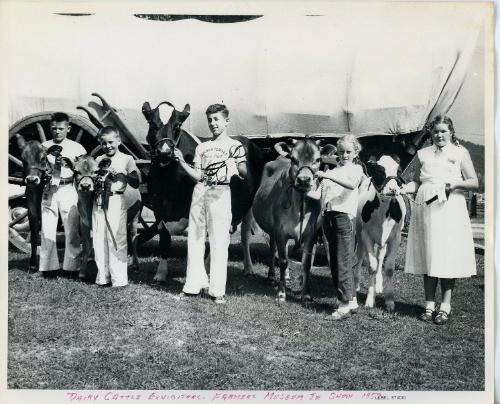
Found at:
<point>36,127</point>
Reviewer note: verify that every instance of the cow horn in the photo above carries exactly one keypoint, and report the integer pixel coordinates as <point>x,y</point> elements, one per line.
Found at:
<point>21,142</point>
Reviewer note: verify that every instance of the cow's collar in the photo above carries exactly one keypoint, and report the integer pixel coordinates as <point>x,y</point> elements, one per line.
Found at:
<point>387,179</point>
<point>293,179</point>
<point>171,144</point>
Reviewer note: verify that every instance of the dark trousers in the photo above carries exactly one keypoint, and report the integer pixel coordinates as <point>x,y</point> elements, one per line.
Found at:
<point>340,232</point>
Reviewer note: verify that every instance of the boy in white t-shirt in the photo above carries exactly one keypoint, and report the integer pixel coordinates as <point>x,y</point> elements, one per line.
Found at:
<point>339,199</point>
<point>60,198</point>
<point>109,214</point>
<point>215,162</point>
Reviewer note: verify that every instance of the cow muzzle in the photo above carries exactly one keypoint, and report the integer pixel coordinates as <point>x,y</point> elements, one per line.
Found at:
<point>304,179</point>
<point>164,151</point>
<point>391,188</point>
<point>303,182</point>
<point>33,180</point>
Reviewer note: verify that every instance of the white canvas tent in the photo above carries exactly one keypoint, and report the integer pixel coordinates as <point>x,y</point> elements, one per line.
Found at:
<point>362,69</point>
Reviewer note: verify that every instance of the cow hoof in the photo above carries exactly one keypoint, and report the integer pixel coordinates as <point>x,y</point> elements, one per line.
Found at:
<point>389,307</point>
<point>159,278</point>
<point>369,304</point>
<point>162,271</point>
<point>33,268</point>
<point>306,298</point>
<point>281,297</point>
<point>248,271</point>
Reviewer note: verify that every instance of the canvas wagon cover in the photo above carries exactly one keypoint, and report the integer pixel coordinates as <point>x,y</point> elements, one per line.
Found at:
<point>380,70</point>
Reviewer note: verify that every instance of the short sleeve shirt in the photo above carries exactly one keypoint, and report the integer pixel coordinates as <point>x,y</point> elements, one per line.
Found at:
<point>218,151</point>
<point>121,162</point>
<point>125,163</point>
<point>338,198</point>
<point>70,149</point>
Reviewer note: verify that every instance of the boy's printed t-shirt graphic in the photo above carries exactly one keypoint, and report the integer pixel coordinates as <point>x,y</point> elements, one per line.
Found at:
<point>214,152</point>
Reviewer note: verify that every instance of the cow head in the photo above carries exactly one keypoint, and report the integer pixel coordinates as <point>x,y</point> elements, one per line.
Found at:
<point>385,175</point>
<point>34,158</point>
<point>305,159</point>
<point>162,138</point>
<point>85,171</point>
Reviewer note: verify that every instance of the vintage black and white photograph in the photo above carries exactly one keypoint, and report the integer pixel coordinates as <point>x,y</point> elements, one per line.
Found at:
<point>259,202</point>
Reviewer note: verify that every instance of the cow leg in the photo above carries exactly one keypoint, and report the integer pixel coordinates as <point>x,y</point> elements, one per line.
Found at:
<point>379,277</point>
<point>165,243</point>
<point>86,249</point>
<point>34,205</point>
<point>283,264</point>
<point>85,205</point>
<point>372,269</point>
<point>389,265</point>
<point>246,232</point>
<point>132,223</point>
<point>307,260</point>
<point>272,247</point>
<point>360,256</point>
<point>34,222</point>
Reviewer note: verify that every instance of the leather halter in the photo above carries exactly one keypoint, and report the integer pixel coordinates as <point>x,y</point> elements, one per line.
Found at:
<point>387,179</point>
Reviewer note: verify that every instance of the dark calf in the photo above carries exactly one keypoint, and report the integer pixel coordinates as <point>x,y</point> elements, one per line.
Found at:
<point>37,173</point>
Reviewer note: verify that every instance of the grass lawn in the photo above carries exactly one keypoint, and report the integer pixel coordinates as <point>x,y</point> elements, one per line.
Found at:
<point>68,334</point>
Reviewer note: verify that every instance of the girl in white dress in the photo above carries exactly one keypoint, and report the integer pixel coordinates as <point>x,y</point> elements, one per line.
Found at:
<point>440,243</point>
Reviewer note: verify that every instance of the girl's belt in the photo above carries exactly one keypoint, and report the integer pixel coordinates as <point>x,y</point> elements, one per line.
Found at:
<point>64,181</point>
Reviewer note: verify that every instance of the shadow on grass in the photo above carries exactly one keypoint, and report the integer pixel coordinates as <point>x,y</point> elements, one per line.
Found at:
<point>238,283</point>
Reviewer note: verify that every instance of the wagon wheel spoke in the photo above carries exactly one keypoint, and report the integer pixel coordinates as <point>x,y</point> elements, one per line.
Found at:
<point>41,132</point>
<point>18,241</point>
<point>79,136</point>
<point>18,219</point>
<point>15,160</point>
<point>94,152</point>
<point>130,151</point>
<point>16,180</point>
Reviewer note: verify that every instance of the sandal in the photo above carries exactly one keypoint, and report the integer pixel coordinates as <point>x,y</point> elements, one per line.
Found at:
<point>441,318</point>
<point>427,315</point>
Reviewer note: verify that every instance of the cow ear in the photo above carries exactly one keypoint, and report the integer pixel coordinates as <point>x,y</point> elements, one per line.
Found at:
<point>21,142</point>
<point>328,150</point>
<point>187,109</point>
<point>283,149</point>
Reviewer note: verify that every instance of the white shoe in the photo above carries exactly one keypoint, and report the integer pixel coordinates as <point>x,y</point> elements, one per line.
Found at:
<point>220,300</point>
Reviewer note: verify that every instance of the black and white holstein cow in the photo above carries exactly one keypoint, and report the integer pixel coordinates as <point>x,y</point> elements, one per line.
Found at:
<point>380,218</point>
<point>282,209</point>
<point>171,188</point>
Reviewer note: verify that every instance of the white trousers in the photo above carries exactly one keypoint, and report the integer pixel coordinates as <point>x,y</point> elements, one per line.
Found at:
<point>111,262</point>
<point>60,200</point>
<point>210,211</point>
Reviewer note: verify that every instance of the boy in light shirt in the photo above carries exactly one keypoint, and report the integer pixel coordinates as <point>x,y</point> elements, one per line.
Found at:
<point>109,215</point>
<point>211,205</point>
<point>60,198</point>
